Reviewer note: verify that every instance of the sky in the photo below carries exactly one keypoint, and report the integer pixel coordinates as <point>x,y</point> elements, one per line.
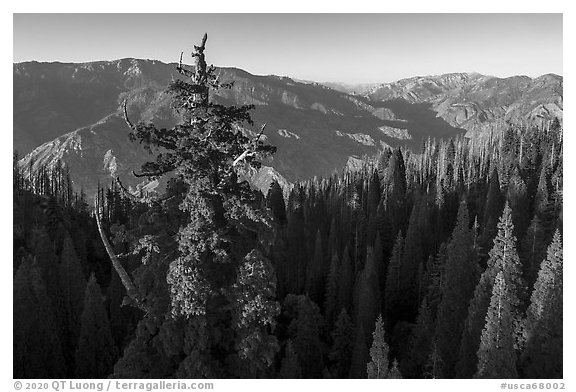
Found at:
<point>348,48</point>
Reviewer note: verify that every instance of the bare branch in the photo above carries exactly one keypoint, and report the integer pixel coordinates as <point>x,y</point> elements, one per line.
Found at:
<point>251,149</point>
<point>149,174</point>
<point>180,68</point>
<point>242,157</point>
<point>260,134</point>
<point>124,277</point>
<point>126,115</point>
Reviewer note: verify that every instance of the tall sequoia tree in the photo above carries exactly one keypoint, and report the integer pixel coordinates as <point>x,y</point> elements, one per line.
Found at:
<point>214,316</point>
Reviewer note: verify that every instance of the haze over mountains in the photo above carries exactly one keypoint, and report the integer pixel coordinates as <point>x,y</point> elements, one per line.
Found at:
<point>72,112</point>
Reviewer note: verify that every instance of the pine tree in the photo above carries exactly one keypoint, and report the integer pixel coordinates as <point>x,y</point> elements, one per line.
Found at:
<point>460,277</point>
<point>517,196</point>
<point>467,363</point>
<point>393,293</point>
<point>331,290</point>
<point>297,249</point>
<point>342,349</point>
<point>411,258</point>
<point>436,275</point>
<point>394,371</point>
<point>378,365</point>
<point>367,294</point>
<point>421,342</point>
<point>37,348</point>
<point>275,201</point>
<point>307,342</point>
<point>533,250</point>
<point>496,356</point>
<point>434,365</point>
<point>542,357</point>
<point>492,210</point>
<point>254,313</point>
<point>44,251</point>
<point>360,355</point>
<point>395,190</point>
<point>502,258</point>
<point>374,193</point>
<point>73,288</point>
<point>221,225</point>
<point>345,282</point>
<point>542,197</point>
<point>290,367</point>
<point>96,352</point>
<point>315,273</point>
<point>379,263</point>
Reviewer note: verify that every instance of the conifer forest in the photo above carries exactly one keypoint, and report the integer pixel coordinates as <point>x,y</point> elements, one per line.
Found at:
<point>443,261</point>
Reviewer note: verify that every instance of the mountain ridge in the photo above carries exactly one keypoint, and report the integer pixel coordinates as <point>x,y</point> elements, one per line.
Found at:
<point>73,111</point>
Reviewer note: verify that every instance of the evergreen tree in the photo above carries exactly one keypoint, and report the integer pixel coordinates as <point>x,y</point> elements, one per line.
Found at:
<point>542,357</point>
<point>44,250</point>
<point>96,352</point>
<point>37,348</point>
<point>460,277</point>
<point>315,273</point>
<point>378,365</point>
<point>367,294</point>
<point>374,193</point>
<point>395,190</point>
<point>467,358</point>
<point>345,282</point>
<point>492,210</point>
<point>542,197</point>
<point>331,290</point>
<point>436,275</point>
<point>297,252</point>
<point>307,342</point>
<point>411,259</point>
<point>502,258</point>
<point>394,371</point>
<point>290,367</point>
<point>517,196</point>
<point>434,364</point>
<point>360,355</point>
<point>421,342</point>
<point>73,288</point>
<point>393,293</point>
<point>496,356</point>
<point>533,250</point>
<point>341,352</point>
<point>275,201</point>
<point>254,314</point>
<point>221,225</point>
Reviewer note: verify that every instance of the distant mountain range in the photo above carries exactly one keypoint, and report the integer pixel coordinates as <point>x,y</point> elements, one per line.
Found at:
<point>72,112</point>
<point>478,102</point>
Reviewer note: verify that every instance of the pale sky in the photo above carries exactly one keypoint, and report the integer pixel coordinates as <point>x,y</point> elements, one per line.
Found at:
<point>350,48</point>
